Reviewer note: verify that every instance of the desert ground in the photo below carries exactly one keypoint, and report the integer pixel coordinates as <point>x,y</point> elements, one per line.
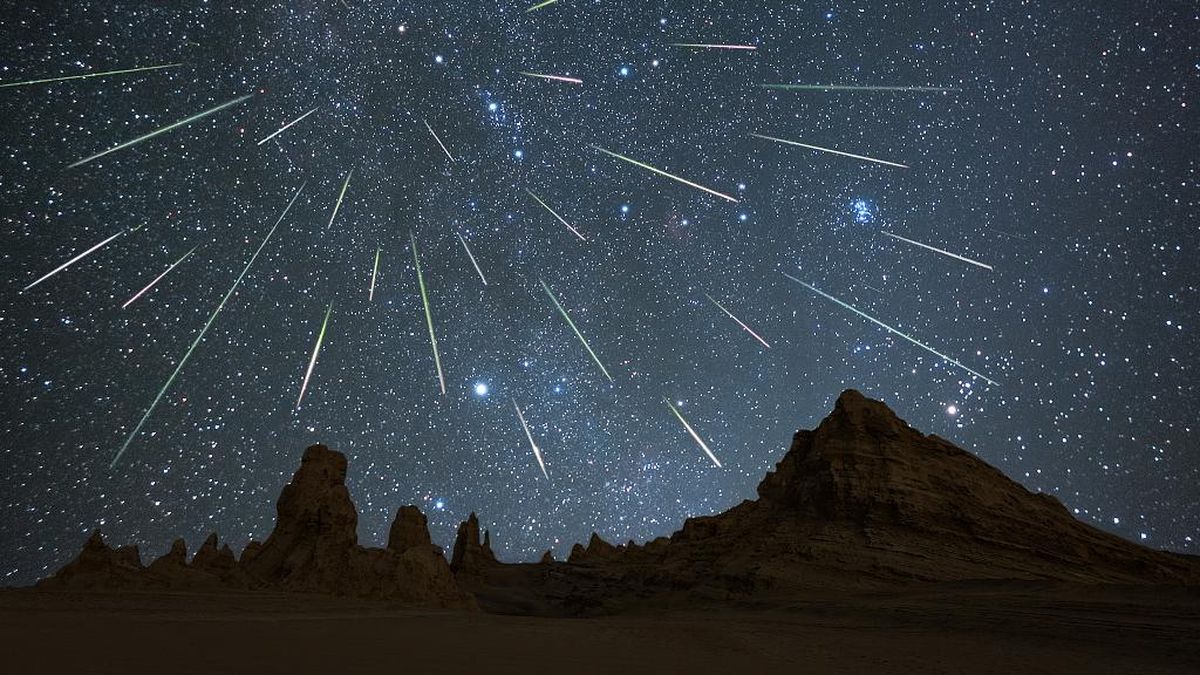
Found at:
<point>980,628</point>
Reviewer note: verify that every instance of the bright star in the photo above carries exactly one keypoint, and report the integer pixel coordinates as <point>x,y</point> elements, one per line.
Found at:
<point>481,389</point>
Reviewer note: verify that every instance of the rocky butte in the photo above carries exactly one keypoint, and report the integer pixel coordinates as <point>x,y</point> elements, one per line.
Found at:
<point>862,501</point>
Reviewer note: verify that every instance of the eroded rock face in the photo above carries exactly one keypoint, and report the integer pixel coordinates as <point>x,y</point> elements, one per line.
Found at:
<point>471,559</point>
<point>98,566</point>
<point>409,529</point>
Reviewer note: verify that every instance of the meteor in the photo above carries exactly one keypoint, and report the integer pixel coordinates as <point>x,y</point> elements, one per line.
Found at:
<point>472,257</point>
<point>700,45</point>
<point>739,321</point>
<point>938,250</point>
<point>829,150</point>
<point>26,83</point>
<point>888,328</point>
<point>695,436</point>
<point>437,359</point>
<point>163,130</point>
<point>537,452</point>
<point>439,141</point>
<point>571,323</point>
<point>844,87</point>
<point>285,127</point>
<point>316,350</point>
<point>540,5</point>
<point>72,261</point>
<point>341,196</point>
<point>374,275</point>
<point>664,173</point>
<point>560,218</point>
<point>556,78</point>
<point>159,277</point>
<point>187,355</point>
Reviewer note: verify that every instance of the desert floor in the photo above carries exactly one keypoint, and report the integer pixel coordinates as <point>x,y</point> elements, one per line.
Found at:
<point>982,628</point>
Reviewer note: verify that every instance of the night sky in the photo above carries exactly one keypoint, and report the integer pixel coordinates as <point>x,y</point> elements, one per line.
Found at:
<point>1060,153</point>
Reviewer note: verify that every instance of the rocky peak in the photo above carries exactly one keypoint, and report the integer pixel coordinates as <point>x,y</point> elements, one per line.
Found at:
<point>471,558</point>
<point>409,529</point>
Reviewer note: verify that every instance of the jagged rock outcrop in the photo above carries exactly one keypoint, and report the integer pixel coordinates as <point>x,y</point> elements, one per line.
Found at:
<point>547,557</point>
<point>98,566</point>
<point>597,550</point>
<point>210,559</point>
<point>409,529</point>
<point>471,560</point>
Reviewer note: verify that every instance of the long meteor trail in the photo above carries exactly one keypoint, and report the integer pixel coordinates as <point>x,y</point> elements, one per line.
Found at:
<point>555,214</point>
<point>286,126</point>
<point>341,196</point>
<point>85,76</point>
<point>563,311</point>
<point>72,261</point>
<point>159,277</point>
<point>664,173</point>
<point>162,130</point>
<point>537,452</point>
<point>847,87</point>
<point>556,78</point>
<point>938,250</point>
<point>437,359</point>
<point>695,436</point>
<point>439,141</point>
<point>888,328</point>
<point>739,321</point>
<point>374,275</point>
<point>199,337</point>
<point>316,351</point>
<point>472,257</point>
<point>540,5</point>
<point>702,45</point>
<point>830,150</point>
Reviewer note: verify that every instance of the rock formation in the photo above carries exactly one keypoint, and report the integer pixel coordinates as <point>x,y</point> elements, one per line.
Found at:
<point>471,560</point>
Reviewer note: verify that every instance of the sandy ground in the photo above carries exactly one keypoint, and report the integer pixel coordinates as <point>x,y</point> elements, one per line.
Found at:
<point>980,629</point>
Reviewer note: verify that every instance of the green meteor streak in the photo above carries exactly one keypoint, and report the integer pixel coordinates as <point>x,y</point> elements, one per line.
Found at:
<point>374,275</point>
<point>25,83</point>
<point>540,5</point>
<point>183,362</point>
<point>695,436</point>
<point>341,196</point>
<point>437,359</point>
<point>156,132</point>
<point>846,87</point>
<point>664,173</point>
<point>888,328</point>
<point>316,350</point>
<point>571,323</point>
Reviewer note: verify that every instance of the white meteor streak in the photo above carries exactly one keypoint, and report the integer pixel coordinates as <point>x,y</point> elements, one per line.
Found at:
<point>695,436</point>
<point>159,277</point>
<point>556,78</point>
<point>374,274</point>
<point>562,310</point>
<point>537,452</point>
<point>664,173</point>
<point>472,257</point>
<point>844,87</point>
<point>162,130</point>
<point>553,213</point>
<point>437,358</point>
<point>286,126</point>
<point>341,196</point>
<point>938,250</point>
<point>830,150</point>
<point>701,45</point>
<point>187,355</point>
<point>888,328</point>
<point>72,261</point>
<point>312,363</point>
<point>439,141</point>
<point>85,76</point>
<point>540,5</point>
<point>739,321</point>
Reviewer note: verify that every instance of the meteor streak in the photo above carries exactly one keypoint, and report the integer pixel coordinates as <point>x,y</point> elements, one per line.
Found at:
<point>695,436</point>
<point>72,261</point>
<point>938,250</point>
<point>571,323</point>
<point>341,196</point>
<point>439,141</point>
<point>316,350</point>
<point>888,328</point>
<point>700,45</point>
<point>560,218</point>
<point>159,277</point>
<point>556,78</point>
<point>829,150</point>
<point>85,76</point>
<point>739,321</point>
<point>285,127</point>
<point>844,87</point>
<point>540,5</point>
<point>537,452</point>
<point>163,130</point>
<point>374,275</point>
<point>437,359</point>
<point>664,173</point>
<point>472,257</point>
<point>187,355</point>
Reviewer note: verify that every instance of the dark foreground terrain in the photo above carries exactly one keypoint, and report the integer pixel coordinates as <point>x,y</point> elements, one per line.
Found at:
<point>979,628</point>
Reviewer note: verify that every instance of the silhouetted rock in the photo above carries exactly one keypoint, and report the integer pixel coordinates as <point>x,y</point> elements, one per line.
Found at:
<point>597,550</point>
<point>471,560</point>
<point>250,552</point>
<point>172,561</point>
<point>547,557</point>
<point>98,567</point>
<point>409,529</point>
<point>210,559</point>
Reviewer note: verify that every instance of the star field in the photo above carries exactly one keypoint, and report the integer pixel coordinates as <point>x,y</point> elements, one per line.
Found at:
<point>1062,156</point>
